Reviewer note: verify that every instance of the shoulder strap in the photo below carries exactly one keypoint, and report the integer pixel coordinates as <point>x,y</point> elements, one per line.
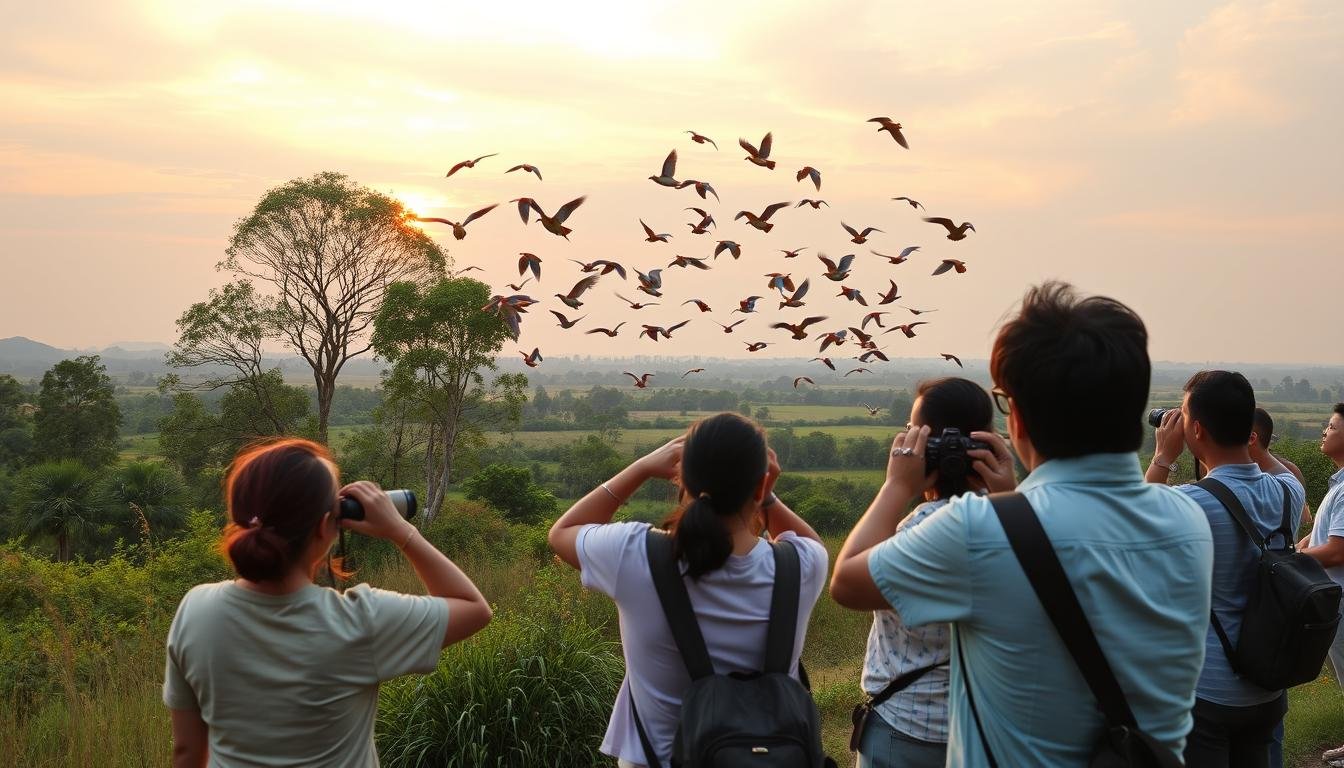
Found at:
<point>901,683</point>
<point>1037,557</point>
<point>1286,527</point>
<point>970,699</point>
<point>1232,504</point>
<point>650,754</point>
<point>782,632</point>
<point>667,580</point>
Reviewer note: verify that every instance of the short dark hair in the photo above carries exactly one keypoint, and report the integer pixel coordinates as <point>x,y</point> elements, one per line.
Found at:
<point>1223,402</point>
<point>1077,371</point>
<point>1263,426</point>
<point>1339,408</point>
<point>955,403</point>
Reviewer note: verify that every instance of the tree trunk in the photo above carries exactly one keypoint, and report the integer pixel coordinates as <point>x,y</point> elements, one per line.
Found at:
<point>326,387</point>
<point>62,546</point>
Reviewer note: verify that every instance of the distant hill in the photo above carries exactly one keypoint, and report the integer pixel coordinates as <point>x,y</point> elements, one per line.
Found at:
<point>19,352</point>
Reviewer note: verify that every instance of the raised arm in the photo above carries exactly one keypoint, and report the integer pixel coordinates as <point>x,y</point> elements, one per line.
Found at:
<point>778,516</point>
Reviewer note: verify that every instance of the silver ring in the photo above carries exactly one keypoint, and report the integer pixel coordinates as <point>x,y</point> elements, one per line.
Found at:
<point>908,451</point>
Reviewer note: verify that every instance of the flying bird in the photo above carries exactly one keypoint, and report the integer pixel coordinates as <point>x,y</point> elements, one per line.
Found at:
<point>654,331</point>
<point>908,329</point>
<point>873,317</point>
<point>635,304</point>
<point>835,337</point>
<point>729,327</point>
<point>605,267</point>
<point>868,356</point>
<point>556,224</point>
<point>803,378</point>
<point>954,231</point>
<point>915,312</point>
<point>837,271</point>
<point>871,410</point>
<point>798,330</point>
<point>651,283</point>
<point>729,246</point>
<point>747,305</point>
<point>808,172</point>
<point>761,222</point>
<point>526,169</point>
<point>460,228</point>
<point>758,156</point>
<point>650,236</point>
<point>571,299</point>
<point>702,306</point>
<point>792,254</point>
<point>566,322</point>
<point>706,221</point>
<point>610,332</point>
<point>464,271</point>
<point>525,207</point>
<point>519,286</point>
<point>701,187</point>
<point>953,358</point>
<point>891,295</point>
<point>853,294</point>
<point>510,309</point>
<point>899,259</point>
<point>529,261</point>
<point>756,346</point>
<point>826,361</point>
<point>913,203</point>
<point>701,139</point>
<point>664,177</point>
<point>816,204</point>
<point>796,299</point>
<point>640,381</point>
<point>688,261</point>
<point>780,282</point>
<point>693,370</point>
<point>865,339</point>
<point>894,128</point>
<point>947,264</point>
<point>857,236</point>
<point>531,360</point>
<point>468,164</point>
<point>858,370</point>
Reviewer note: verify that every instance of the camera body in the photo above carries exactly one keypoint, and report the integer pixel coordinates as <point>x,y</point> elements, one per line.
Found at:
<point>402,499</point>
<point>1155,417</point>
<point>947,454</point>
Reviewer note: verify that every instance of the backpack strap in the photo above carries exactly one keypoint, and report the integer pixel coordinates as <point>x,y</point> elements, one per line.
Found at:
<point>1036,555</point>
<point>650,754</point>
<point>970,699</point>
<point>902,682</point>
<point>1286,527</point>
<point>782,631</point>
<point>1232,504</point>
<point>667,581</point>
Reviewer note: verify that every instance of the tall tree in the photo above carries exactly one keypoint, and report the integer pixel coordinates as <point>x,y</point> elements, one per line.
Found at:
<point>77,416</point>
<point>60,499</point>
<point>441,346</point>
<point>148,496</point>
<point>328,248</point>
<point>16,423</point>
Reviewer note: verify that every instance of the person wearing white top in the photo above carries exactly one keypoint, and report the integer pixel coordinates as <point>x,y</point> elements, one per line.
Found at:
<point>269,669</point>
<point>726,475</point>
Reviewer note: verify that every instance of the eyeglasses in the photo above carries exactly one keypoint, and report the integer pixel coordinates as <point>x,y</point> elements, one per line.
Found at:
<point>1002,400</point>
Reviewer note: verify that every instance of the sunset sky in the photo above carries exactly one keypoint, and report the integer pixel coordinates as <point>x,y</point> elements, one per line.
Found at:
<point>1182,157</point>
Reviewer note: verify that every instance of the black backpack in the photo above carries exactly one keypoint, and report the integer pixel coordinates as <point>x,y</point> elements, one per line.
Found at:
<point>1122,744</point>
<point>762,719</point>
<point>1293,611</point>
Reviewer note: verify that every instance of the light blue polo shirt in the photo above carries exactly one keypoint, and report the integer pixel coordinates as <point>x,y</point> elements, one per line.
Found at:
<point>1140,558</point>
<point>1234,559</point>
<point>1330,521</point>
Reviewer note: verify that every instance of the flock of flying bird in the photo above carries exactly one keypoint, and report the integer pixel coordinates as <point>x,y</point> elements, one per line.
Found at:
<point>511,307</point>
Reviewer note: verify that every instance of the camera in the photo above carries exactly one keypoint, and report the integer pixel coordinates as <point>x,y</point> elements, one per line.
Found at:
<point>402,499</point>
<point>947,454</point>
<point>1155,417</point>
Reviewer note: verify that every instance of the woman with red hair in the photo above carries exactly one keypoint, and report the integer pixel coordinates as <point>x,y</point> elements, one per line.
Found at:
<point>271,669</point>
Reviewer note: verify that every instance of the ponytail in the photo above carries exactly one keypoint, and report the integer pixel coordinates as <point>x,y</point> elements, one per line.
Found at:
<point>700,537</point>
<point>259,554</point>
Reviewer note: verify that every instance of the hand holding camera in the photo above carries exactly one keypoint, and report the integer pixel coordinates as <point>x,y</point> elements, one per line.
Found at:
<point>1170,436</point>
<point>365,508</point>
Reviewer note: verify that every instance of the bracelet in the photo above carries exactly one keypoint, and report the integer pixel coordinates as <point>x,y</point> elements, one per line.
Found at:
<point>612,494</point>
<point>769,501</point>
<point>402,546</point>
<point>1169,467</point>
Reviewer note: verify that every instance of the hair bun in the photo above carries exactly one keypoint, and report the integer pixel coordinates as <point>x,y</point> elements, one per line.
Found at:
<point>260,554</point>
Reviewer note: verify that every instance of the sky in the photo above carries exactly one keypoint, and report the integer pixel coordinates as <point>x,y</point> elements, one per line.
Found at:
<point>1181,157</point>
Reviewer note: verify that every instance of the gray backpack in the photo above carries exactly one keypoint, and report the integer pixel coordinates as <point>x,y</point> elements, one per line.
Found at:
<point>756,719</point>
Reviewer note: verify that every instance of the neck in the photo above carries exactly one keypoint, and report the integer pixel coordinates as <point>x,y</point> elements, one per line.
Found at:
<point>1214,456</point>
<point>296,579</point>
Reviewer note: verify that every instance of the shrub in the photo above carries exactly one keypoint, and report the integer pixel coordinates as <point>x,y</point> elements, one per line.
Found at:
<point>510,490</point>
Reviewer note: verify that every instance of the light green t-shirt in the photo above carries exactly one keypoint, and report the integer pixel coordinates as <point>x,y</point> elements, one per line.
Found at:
<point>289,680</point>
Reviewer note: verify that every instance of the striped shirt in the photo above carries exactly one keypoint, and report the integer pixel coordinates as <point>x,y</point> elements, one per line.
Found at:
<point>919,711</point>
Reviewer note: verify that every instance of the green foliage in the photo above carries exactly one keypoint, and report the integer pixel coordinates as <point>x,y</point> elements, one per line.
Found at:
<point>510,490</point>
<point>150,496</point>
<point>1316,467</point>
<point>60,499</point>
<point>586,463</point>
<point>77,415</point>
<point>532,689</point>
<point>16,425</point>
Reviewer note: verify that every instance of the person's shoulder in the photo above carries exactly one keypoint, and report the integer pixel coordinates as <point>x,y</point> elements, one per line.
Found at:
<point>805,545</point>
<point>208,594</point>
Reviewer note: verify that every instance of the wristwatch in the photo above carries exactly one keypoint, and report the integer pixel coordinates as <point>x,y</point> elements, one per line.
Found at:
<point>1169,467</point>
<point>769,501</point>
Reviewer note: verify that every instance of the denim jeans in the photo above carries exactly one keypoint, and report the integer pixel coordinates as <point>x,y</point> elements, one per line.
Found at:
<point>885,747</point>
<point>1238,737</point>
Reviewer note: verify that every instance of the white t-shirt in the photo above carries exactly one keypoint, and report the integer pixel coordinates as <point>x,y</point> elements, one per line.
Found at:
<point>292,680</point>
<point>732,607</point>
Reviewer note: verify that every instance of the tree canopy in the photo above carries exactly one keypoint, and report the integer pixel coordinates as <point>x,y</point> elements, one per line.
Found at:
<point>77,416</point>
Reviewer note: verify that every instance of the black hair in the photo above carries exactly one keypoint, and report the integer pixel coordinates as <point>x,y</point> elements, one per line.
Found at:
<point>1223,402</point>
<point>722,464</point>
<point>1077,371</point>
<point>1263,426</point>
<point>1339,408</point>
<point>955,403</point>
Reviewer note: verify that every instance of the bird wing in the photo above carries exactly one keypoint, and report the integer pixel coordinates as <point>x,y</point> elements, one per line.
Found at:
<point>671,328</point>
<point>882,120</point>
<point>765,145</point>
<point>899,137</point>
<point>730,325</point>
<point>943,220</point>
<point>670,164</point>
<point>802,290</point>
<point>647,232</point>
<point>852,231</point>
<point>945,266</point>
<point>482,157</point>
<point>434,219</point>
<point>631,375</point>
<point>770,210</point>
<point>582,285</point>
<point>700,211</point>
<point>845,262</point>
<point>655,278</point>
<point>906,251</point>
<point>514,168</point>
<point>810,320</point>
<point>743,143</point>
<point>525,206</point>
<point>567,208</point>
<point>458,167</point>
<point>563,320</point>
<point>865,232</point>
<point>830,265</point>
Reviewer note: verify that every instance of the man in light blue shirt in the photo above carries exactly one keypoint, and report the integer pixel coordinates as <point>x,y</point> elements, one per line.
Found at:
<point>1073,378</point>
<point>1235,719</point>
<point>1326,542</point>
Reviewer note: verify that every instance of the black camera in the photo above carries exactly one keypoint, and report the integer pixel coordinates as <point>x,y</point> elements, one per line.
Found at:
<point>403,500</point>
<point>947,454</point>
<point>1155,417</point>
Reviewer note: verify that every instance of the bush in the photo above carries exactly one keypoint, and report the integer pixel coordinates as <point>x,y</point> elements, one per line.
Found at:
<point>534,688</point>
<point>510,490</point>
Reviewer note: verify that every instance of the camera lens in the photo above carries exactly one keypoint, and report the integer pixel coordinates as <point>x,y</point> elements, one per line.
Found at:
<point>402,499</point>
<point>1155,416</point>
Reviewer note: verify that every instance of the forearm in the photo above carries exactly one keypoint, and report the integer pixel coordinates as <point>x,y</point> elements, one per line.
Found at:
<point>879,521</point>
<point>601,503</point>
<point>780,518</point>
<point>440,575</point>
<point>1156,474</point>
<point>1329,554</point>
